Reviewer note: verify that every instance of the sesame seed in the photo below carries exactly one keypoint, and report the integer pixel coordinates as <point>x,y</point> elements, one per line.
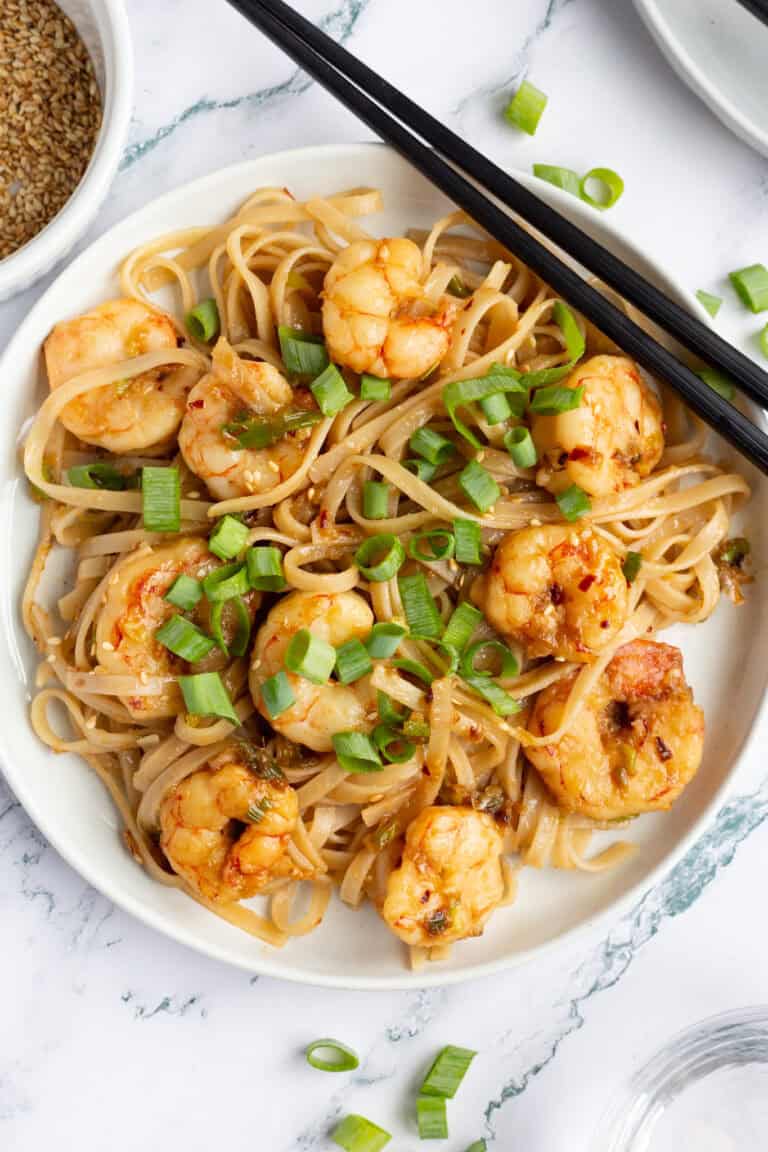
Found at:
<point>107,646</point>
<point>90,722</point>
<point>144,679</point>
<point>193,495</point>
<point>53,640</point>
<point>273,467</point>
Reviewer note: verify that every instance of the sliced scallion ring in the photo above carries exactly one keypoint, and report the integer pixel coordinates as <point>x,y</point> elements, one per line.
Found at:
<point>203,323</point>
<point>610,187</point>
<point>467,536</point>
<point>421,611</point>
<point>380,557</point>
<point>519,443</point>
<point>356,1134</point>
<point>384,639</point>
<point>465,619</point>
<point>310,657</point>
<point>508,660</point>
<point>440,541</point>
<point>526,107</point>
<point>352,661</point>
<point>414,668</point>
<point>392,746</point>
<point>225,582</point>
<point>331,1056</point>
<point>449,1068</point>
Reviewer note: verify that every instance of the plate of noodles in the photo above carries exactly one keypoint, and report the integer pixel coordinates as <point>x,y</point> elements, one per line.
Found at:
<point>352,572</point>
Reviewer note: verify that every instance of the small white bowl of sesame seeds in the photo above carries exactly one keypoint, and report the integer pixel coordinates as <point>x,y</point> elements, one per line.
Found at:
<point>65,102</point>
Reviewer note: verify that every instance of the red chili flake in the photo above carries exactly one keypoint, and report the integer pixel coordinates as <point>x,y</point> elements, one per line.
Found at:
<point>556,594</point>
<point>425,896</point>
<point>196,404</point>
<point>323,517</point>
<point>663,750</point>
<point>586,583</point>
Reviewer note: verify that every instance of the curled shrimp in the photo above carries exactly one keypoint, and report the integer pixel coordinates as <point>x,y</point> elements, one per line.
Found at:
<point>319,711</point>
<point>376,317</point>
<point>139,414</point>
<point>236,389</point>
<point>611,441</point>
<point>558,591</point>
<point>226,831</point>
<point>635,743</point>
<point>449,880</point>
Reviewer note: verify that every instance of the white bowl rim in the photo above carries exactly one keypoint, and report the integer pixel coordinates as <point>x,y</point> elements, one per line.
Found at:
<point>269,965</point>
<point>40,254</point>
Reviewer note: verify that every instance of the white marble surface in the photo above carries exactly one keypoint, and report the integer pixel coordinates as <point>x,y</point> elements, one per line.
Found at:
<point>113,1037</point>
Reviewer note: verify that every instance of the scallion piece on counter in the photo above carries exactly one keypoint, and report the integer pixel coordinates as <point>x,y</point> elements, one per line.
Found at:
<point>432,1118</point>
<point>99,474</point>
<point>434,448</point>
<point>422,469</point>
<point>609,188</point>
<point>421,611</point>
<point>573,503</point>
<point>376,500</point>
<point>718,382</point>
<point>479,486</point>
<point>303,354</point>
<point>374,388</point>
<point>184,639</point>
<point>499,379</point>
<point>356,752</point>
<point>330,391</point>
<point>440,543</point>
<point>708,301</point>
<point>262,431</point>
<point>555,399</point>
<point>564,178</point>
<point>356,1134</point>
<point>384,640</point>
<point>380,557</point>
<point>161,499</point>
<point>496,408</point>
<point>763,341</point>
<point>508,661</point>
<point>205,695</point>
<point>277,694</point>
<point>478,1146</point>
<point>519,443</point>
<point>448,1069</point>
<point>416,669</point>
<point>353,661</point>
<point>463,622</point>
<point>633,562</point>
<point>467,536</point>
<point>239,645</point>
<point>328,1055</point>
<point>310,657</point>
<point>392,745</point>
<point>526,107</point>
<point>264,567</point>
<point>184,593</point>
<point>751,285</point>
<point>502,703</point>
<point>228,538</point>
<point>203,322</point>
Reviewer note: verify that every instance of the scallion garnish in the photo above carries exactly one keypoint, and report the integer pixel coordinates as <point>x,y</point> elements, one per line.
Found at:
<point>310,656</point>
<point>763,341</point>
<point>467,536</point>
<point>331,1056</point>
<point>508,661</point>
<point>330,391</point>
<point>451,655</point>
<point>526,107</point>
<point>463,622</point>
<point>205,695</point>
<point>573,503</point>
<point>161,499</point>
<point>710,302</point>
<point>421,611</point>
<point>277,694</point>
<point>184,593</point>
<point>384,640</point>
<point>373,388</point>
<point>734,552</point>
<point>499,379</point>
<point>496,408</point>
<point>388,713</point>
<point>633,562</point>
<point>258,810</point>
<point>356,752</point>
<point>718,382</point>
<point>356,1134</point>
<point>303,354</point>
<point>457,287</point>
<point>184,639</point>
<point>203,323</point>
<point>479,486</point>
<point>99,474</point>
<point>439,540</point>
<point>556,399</point>
<point>478,1146</point>
<point>392,746</point>
<point>264,567</point>
<point>380,557</point>
<point>502,703</point>
<point>353,661</point>
<point>519,443</point>
<point>751,285</point>
<point>376,500</point>
<point>432,1118</point>
<point>420,468</point>
<point>564,178</point>
<point>228,538</point>
<point>414,668</point>
<point>433,447</point>
<point>225,582</point>
<point>239,645</point>
<point>448,1069</point>
<point>262,431</point>
<point>416,728</point>
<point>610,188</point>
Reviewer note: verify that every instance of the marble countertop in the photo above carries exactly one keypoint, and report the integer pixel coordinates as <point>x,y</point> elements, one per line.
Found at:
<point>113,1036</point>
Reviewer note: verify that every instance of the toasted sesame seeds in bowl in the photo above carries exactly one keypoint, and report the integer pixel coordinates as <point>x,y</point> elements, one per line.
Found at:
<point>66,78</point>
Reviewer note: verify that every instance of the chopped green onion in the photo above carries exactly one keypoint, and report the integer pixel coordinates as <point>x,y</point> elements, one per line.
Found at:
<point>499,379</point>
<point>710,302</point>
<point>437,551</point>
<point>556,399</point>
<point>303,354</point>
<point>509,664</point>
<point>479,486</point>
<point>380,557</point>
<point>356,1134</point>
<point>374,388</point>
<point>388,713</point>
<point>735,551</point>
<point>264,567</point>
<point>449,1068</point>
<point>610,188</point>
<point>205,695</point>
<point>228,538</point>
<point>420,468</point>
<point>519,443</point>
<point>457,287</point>
<point>501,702</point>
<point>435,449</point>
<point>264,431</point>
<point>99,474</point>
<point>310,656</point>
<point>184,593</point>
<point>376,500</point>
<point>391,745</point>
<point>225,582</point>
<point>161,499</point>
<point>331,1056</point>
<point>356,752</point>
<point>352,661</point>
<point>467,536</point>
<point>184,639</point>
<point>420,608</point>
<point>258,810</point>
<point>451,654</point>
<point>203,322</point>
<point>575,344</point>
<point>416,728</point>
<point>239,645</point>
<point>526,107</point>
<point>432,1118</point>
<point>574,502</point>
<point>415,669</point>
<point>633,562</point>
<point>384,640</point>
<point>465,619</point>
<point>564,178</point>
<point>751,284</point>
<point>763,341</point>
<point>277,694</point>
<point>496,408</point>
<point>478,1146</point>
<point>330,391</point>
<point>718,382</point>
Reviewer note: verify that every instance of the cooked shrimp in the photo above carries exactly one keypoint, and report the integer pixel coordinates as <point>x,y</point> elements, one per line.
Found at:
<point>319,710</point>
<point>135,608</point>
<point>635,743</point>
<point>134,415</point>
<point>376,318</point>
<point>450,878</point>
<point>611,441</point>
<point>232,388</point>
<point>226,831</point>
<point>557,591</point>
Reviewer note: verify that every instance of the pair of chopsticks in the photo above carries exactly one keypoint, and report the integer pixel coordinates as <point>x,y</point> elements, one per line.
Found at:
<point>758,8</point>
<point>399,121</point>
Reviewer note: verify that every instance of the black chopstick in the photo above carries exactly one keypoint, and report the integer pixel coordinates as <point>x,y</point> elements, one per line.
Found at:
<point>631,285</point>
<point>712,408</point>
<point>758,8</point>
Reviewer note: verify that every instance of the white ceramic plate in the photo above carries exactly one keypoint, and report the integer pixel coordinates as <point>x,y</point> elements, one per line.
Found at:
<point>720,50</point>
<point>723,658</point>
